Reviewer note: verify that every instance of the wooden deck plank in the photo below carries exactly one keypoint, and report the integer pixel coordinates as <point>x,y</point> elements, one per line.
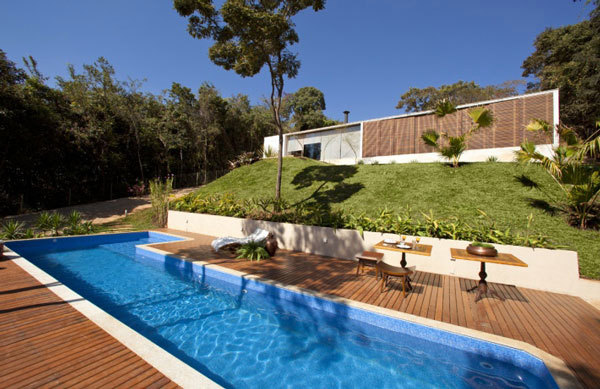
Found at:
<point>44,341</point>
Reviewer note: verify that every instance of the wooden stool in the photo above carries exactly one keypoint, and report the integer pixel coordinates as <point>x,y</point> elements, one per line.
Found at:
<point>386,270</point>
<point>369,259</point>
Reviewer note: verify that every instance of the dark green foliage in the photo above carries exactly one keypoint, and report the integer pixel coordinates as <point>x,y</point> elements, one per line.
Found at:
<point>569,58</point>
<point>53,224</point>
<point>306,106</point>
<point>253,251</point>
<point>461,92</point>
<point>95,137</point>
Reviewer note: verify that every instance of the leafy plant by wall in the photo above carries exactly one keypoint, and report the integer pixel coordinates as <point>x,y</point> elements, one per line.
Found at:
<point>482,228</point>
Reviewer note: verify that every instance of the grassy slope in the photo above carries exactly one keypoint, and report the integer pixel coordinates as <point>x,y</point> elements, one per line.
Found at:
<point>491,187</point>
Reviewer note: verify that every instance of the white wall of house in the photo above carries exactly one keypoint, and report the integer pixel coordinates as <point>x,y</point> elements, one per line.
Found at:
<point>271,142</point>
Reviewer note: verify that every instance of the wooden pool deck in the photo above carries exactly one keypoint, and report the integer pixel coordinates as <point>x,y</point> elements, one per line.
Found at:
<point>564,326</point>
<point>45,342</point>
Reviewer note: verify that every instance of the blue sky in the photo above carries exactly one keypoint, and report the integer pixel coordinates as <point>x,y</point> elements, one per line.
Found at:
<point>363,54</point>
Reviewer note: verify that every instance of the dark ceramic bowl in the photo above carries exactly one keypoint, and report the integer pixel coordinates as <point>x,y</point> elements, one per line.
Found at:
<point>483,251</point>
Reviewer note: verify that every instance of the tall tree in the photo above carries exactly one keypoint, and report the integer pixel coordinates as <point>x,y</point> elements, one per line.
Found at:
<point>568,58</point>
<point>249,35</point>
<point>306,106</point>
<point>461,92</point>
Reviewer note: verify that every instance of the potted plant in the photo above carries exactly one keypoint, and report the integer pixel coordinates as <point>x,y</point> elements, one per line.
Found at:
<point>480,248</point>
<point>252,251</point>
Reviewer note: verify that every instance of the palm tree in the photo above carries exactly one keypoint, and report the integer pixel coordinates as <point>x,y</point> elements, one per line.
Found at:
<point>572,167</point>
<point>454,146</point>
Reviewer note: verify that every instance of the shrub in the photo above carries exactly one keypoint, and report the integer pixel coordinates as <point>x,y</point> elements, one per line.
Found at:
<point>492,158</point>
<point>452,147</point>
<point>573,167</point>
<point>252,251</point>
<point>138,189</point>
<point>12,230</point>
<point>270,152</point>
<point>159,195</point>
<point>405,222</point>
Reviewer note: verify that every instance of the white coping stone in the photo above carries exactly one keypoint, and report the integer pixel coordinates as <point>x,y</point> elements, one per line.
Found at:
<point>549,270</point>
<point>188,377</point>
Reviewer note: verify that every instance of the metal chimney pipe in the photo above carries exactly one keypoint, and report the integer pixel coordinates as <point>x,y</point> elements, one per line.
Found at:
<point>346,116</point>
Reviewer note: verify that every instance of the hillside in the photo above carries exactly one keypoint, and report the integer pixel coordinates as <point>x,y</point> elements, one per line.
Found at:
<point>491,187</point>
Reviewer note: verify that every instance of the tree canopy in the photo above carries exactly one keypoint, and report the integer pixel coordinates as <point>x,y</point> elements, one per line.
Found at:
<point>568,58</point>
<point>249,35</point>
<point>93,136</point>
<point>461,92</point>
<point>306,107</point>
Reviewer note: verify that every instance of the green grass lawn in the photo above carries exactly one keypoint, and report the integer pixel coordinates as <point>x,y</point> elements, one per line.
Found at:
<point>137,221</point>
<point>490,187</point>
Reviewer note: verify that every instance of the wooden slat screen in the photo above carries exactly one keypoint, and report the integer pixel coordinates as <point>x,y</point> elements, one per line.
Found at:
<point>403,135</point>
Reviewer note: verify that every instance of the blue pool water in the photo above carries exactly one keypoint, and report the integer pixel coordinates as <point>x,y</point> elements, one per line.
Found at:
<point>246,334</point>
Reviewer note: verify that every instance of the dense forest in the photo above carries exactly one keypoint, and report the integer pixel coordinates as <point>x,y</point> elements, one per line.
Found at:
<point>94,137</point>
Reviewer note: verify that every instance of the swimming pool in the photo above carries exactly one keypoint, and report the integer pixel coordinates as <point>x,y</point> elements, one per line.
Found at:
<point>244,333</point>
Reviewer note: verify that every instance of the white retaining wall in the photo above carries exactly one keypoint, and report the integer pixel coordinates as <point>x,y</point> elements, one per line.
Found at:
<point>549,270</point>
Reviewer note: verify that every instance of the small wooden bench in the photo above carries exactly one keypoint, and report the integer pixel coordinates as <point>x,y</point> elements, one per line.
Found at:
<point>368,259</point>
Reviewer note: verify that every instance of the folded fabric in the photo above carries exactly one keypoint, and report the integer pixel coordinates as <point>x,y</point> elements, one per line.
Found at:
<point>259,235</point>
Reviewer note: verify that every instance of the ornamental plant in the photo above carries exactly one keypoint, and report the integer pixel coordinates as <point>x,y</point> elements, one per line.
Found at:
<point>452,147</point>
<point>573,167</point>
<point>159,197</point>
<point>252,251</point>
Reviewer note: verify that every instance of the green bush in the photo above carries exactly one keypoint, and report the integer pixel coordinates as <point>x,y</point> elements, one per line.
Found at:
<point>482,229</point>
<point>159,196</point>
<point>12,230</point>
<point>252,251</point>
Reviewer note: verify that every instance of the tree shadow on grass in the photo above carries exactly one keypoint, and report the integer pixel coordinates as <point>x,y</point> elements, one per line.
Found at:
<point>543,205</point>
<point>527,182</point>
<point>324,175</point>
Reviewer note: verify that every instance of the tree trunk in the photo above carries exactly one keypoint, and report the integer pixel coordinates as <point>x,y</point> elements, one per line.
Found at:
<point>205,158</point>
<point>139,157</point>
<point>279,166</point>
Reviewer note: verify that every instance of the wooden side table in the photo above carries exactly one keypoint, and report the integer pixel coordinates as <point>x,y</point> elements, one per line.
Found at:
<point>420,249</point>
<point>482,286</point>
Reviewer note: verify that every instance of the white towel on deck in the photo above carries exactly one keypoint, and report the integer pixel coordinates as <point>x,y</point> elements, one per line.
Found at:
<point>259,235</point>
